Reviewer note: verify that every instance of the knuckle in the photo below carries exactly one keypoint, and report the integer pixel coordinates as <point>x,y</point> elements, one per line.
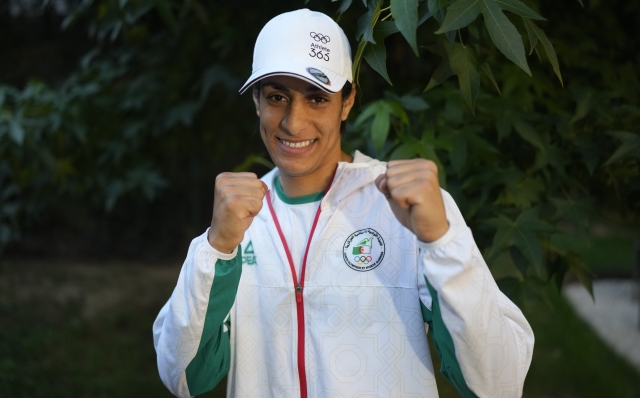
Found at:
<point>431,165</point>
<point>225,190</point>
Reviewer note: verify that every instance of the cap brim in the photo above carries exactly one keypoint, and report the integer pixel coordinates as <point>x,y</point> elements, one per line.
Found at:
<point>334,83</point>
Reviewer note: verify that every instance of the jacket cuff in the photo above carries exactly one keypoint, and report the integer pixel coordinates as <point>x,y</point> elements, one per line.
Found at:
<point>441,241</point>
<point>448,257</point>
<point>212,251</point>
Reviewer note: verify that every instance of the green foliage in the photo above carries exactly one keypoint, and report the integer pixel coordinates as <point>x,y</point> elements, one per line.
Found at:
<point>152,113</point>
<point>531,167</point>
<point>140,109</point>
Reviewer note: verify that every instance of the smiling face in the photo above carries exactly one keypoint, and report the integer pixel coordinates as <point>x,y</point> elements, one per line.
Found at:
<point>300,125</point>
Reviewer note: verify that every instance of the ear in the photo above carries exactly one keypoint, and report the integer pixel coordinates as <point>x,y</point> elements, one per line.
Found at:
<point>256,101</point>
<point>348,102</point>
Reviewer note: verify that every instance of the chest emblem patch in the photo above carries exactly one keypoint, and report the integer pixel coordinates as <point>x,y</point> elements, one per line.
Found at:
<point>363,250</point>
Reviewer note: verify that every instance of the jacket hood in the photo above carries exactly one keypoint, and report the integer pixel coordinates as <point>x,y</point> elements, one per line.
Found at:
<point>349,178</point>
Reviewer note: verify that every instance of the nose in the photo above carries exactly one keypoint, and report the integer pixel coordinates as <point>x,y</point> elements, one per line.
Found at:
<point>295,120</point>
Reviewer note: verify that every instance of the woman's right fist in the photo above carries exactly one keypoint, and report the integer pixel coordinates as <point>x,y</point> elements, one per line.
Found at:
<point>237,200</point>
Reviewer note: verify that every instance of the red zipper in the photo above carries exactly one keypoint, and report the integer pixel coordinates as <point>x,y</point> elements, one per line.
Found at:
<point>298,287</point>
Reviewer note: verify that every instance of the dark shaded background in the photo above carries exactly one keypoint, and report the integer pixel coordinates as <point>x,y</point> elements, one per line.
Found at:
<point>130,111</point>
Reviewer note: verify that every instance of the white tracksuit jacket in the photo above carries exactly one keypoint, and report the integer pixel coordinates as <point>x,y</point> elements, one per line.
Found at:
<point>371,293</point>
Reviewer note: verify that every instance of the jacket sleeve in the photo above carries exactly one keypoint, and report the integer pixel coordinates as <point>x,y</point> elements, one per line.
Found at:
<point>483,340</point>
<point>191,333</point>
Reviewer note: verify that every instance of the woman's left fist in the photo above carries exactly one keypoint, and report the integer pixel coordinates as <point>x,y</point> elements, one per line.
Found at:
<point>413,192</point>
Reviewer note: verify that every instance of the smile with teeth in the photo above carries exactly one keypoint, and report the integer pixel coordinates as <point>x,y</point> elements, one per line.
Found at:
<point>297,144</point>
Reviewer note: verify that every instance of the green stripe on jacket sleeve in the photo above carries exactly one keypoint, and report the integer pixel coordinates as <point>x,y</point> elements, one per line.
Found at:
<point>450,368</point>
<point>212,359</point>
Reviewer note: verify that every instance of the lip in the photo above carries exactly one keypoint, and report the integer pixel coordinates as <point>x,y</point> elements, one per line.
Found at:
<point>296,151</point>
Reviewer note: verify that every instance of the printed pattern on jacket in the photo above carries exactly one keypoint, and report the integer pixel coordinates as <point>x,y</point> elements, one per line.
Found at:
<point>365,335</point>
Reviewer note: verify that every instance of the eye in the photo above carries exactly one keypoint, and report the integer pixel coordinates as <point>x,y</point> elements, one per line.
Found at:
<point>277,97</point>
<point>318,100</point>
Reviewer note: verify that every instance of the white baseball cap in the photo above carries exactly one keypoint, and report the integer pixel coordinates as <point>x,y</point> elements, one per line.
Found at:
<point>305,44</point>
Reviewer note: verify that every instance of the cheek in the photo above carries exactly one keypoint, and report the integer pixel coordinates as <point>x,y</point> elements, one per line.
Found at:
<point>333,120</point>
<point>329,128</point>
<point>270,119</point>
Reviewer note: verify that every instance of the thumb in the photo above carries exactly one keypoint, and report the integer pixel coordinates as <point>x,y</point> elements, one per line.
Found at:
<point>265,188</point>
<point>381,184</point>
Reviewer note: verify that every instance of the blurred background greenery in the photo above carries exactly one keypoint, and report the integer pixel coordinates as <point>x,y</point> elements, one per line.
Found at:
<point>116,115</point>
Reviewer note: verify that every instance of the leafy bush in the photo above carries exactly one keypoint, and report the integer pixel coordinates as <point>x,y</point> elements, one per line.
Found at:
<point>528,161</point>
<point>152,113</point>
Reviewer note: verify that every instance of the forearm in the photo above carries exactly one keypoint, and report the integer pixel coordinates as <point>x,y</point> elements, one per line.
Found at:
<point>493,341</point>
<point>190,337</point>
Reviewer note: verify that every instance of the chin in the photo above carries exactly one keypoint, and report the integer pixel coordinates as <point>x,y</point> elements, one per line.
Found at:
<point>297,167</point>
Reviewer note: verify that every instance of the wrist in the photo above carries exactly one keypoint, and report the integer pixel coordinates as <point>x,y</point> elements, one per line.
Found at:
<point>432,234</point>
<point>220,244</point>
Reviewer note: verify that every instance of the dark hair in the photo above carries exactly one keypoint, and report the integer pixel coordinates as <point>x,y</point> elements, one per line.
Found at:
<point>346,92</point>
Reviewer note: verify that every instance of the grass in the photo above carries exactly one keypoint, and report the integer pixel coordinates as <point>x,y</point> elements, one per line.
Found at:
<point>611,255</point>
<point>85,331</point>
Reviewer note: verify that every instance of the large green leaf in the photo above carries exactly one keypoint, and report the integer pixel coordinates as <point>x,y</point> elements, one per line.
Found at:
<point>414,103</point>
<point>405,15</point>
<point>423,13</point>
<point>437,5</point>
<point>357,59</point>
<point>443,71</point>
<point>504,34</point>
<point>380,128</point>
<point>426,148</point>
<point>518,7</point>
<point>528,133</point>
<point>384,29</point>
<point>381,112</point>
<point>630,146</point>
<point>464,65</point>
<point>403,151</point>
<point>365,25</point>
<point>486,69</point>
<point>460,14</point>
<point>368,112</point>
<point>344,5</point>
<point>533,37</point>
<point>548,47</point>
<point>521,233</point>
<point>376,57</point>
<point>575,211</point>
<point>16,132</point>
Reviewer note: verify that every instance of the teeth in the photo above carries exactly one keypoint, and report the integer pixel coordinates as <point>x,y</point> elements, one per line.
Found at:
<point>297,144</point>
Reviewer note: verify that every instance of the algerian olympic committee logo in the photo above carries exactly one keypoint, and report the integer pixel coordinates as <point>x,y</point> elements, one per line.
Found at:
<point>363,250</point>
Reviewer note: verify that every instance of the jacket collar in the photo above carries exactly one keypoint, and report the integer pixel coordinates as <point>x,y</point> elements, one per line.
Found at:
<point>349,178</point>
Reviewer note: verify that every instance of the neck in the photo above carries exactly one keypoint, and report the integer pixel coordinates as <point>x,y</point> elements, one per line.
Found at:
<point>314,182</point>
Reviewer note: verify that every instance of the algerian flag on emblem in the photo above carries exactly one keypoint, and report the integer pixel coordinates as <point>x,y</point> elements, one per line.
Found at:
<point>363,247</point>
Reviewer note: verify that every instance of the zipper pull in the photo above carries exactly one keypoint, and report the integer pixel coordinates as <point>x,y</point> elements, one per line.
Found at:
<point>299,293</point>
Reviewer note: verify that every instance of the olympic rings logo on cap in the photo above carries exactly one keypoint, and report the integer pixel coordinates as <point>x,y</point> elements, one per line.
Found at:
<point>319,37</point>
<point>362,259</point>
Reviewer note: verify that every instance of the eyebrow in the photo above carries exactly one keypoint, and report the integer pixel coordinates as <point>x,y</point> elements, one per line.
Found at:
<point>277,86</point>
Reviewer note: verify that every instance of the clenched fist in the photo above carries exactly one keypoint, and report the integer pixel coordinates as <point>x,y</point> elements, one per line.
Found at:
<point>413,192</point>
<point>237,200</point>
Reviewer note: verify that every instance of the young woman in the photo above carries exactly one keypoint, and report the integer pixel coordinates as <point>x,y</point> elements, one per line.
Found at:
<point>324,277</point>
